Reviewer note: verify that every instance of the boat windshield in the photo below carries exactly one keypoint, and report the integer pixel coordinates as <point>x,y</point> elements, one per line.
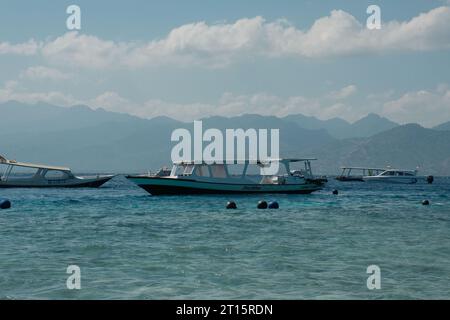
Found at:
<point>56,175</point>
<point>181,169</point>
<point>188,169</point>
<point>397,173</point>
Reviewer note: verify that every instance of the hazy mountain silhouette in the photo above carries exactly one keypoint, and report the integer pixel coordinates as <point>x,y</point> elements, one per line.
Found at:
<point>408,146</point>
<point>339,128</point>
<point>98,140</point>
<point>101,141</point>
<point>443,126</point>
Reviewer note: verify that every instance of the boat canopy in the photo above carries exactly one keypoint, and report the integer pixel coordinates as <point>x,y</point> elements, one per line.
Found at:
<point>364,168</point>
<point>363,171</point>
<point>219,169</point>
<point>245,161</point>
<point>15,163</point>
<point>376,169</point>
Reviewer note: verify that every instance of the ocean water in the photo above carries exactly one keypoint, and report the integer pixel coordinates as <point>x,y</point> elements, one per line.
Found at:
<point>130,245</point>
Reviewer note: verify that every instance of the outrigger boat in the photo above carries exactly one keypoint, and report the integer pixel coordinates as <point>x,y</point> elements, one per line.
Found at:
<point>46,177</point>
<point>192,178</point>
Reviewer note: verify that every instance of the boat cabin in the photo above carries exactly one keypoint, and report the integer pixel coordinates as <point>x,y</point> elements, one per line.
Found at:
<point>361,173</point>
<point>399,173</point>
<point>224,170</point>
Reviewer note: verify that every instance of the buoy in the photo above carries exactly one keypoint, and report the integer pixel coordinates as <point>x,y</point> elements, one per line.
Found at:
<point>425,202</point>
<point>430,179</point>
<point>273,205</point>
<point>5,203</point>
<point>335,192</point>
<point>262,205</point>
<point>231,205</point>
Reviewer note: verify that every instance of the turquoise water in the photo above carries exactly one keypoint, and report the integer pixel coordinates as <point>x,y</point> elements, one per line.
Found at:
<point>130,245</point>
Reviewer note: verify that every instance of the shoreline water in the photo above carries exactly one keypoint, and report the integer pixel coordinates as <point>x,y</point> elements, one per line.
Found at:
<point>130,245</point>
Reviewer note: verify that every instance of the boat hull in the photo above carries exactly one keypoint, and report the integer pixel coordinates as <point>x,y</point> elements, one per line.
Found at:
<point>75,183</point>
<point>396,180</point>
<point>349,179</point>
<point>168,186</point>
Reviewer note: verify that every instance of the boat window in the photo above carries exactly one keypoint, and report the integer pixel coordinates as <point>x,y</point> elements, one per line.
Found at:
<point>218,171</point>
<point>177,170</point>
<point>400,173</point>
<point>202,171</point>
<point>22,172</point>
<point>409,174</point>
<point>188,169</point>
<point>251,170</point>
<point>55,175</point>
<point>233,169</point>
<point>297,168</point>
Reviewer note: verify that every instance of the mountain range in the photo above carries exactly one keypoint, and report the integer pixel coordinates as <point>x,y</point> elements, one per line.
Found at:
<point>101,141</point>
<point>341,129</point>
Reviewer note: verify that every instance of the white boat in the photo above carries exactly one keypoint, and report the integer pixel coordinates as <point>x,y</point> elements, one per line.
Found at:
<point>216,178</point>
<point>43,176</point>
<point>394,176</point>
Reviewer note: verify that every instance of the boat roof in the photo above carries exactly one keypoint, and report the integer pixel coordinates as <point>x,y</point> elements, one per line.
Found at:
<point>365,168</point>
<point>248,161</point>
<point>5,161</point>
<point>291,159</point>
<point>375,169</point>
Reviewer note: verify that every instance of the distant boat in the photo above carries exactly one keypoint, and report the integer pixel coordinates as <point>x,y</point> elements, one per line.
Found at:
<point>192,178</point>
<point>387,175</point>
<point>394,176</point>
<point>44,176</point>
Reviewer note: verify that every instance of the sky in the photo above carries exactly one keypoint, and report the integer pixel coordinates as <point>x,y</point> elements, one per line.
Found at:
<point>193,59</point>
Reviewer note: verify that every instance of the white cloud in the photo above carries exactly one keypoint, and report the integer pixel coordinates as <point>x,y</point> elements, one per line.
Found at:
<point>112,101</point>
<point>42,73</point>
<point>27,48</point>
<point>77,49</point>
<point>344,92</point>
<point>428,107</point>
<point>229,105</point>
<point>12,90</point>
<point>218,45</point>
